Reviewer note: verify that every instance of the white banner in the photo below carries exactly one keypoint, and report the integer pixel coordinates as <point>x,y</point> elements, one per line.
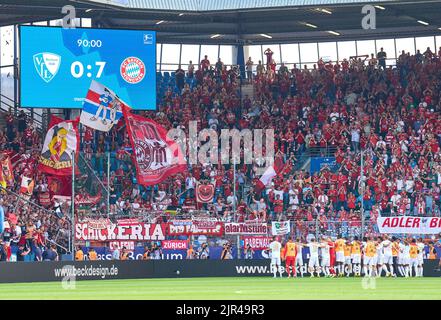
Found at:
<point>246,228</point>
<point>280,228</point>
<point>409,225</point>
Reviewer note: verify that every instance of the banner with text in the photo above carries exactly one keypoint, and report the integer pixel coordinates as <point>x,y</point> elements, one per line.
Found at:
<point>196,227</point>
<point>246,228</point>
<point>175,244</point>
<point>88,231</point>
<point>257,243</point>
<point>280,228</point>
<point>409,225</point>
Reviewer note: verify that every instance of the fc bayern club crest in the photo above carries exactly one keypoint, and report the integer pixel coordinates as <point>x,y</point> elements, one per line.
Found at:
<point>132,70</point>
<point>144,154</point>
<point>204,193</point>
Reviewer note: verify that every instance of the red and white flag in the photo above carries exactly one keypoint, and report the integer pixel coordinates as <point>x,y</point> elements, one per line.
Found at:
<point>27,186</point>
<point>101,108</point>
<point>269,174</point>
<point>61,140</point>
<point>156,157</point>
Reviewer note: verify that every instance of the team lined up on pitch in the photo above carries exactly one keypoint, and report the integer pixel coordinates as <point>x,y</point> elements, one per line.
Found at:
<point>371,257</point>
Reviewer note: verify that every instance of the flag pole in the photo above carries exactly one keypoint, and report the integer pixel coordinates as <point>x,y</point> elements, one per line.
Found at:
<point>108,183</point>
<point>362,192</point>
<point>73,208</point>
<point>234,203</point>
<point>234,188</point>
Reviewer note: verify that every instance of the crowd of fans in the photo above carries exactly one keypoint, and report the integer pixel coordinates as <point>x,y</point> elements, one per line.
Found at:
<point>389,116</point>
<point>382,120</point>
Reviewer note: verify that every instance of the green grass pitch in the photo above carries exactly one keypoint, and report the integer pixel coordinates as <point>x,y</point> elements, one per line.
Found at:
<point>264,288</point>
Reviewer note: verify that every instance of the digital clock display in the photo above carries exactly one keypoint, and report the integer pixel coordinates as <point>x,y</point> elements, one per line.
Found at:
<point>57,65</point>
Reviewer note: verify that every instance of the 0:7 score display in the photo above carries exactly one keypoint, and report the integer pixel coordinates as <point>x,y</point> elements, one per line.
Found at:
<point>77,69</point>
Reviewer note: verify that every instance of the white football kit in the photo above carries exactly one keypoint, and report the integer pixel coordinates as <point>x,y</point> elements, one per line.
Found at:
<point>299,256</point>
<point>406,255</point>
<point>401,254</point>
<point>379,260</point>
<point>275,248</point>
<point>421,247</point>
<point>387,252</point>
<point>313,254</point>
<point>326,257</point>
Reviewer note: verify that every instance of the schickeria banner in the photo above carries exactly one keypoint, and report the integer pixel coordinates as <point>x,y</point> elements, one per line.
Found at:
<point>409,225</point>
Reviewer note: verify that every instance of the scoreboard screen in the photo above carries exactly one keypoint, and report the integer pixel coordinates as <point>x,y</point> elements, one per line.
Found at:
<point>57,66</point>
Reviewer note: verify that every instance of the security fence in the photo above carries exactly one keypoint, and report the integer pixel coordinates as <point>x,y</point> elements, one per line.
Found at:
<point>323,229</point>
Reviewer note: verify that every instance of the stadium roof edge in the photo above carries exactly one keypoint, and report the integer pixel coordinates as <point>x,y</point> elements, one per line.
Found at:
<point>397,19</point>
<point>227,5</point>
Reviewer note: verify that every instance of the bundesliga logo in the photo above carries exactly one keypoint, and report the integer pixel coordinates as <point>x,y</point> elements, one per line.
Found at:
<point>132,70</point>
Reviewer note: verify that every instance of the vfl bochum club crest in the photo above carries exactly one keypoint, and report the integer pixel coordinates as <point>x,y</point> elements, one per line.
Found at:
<point>132,70</point>
<point>47,65</point>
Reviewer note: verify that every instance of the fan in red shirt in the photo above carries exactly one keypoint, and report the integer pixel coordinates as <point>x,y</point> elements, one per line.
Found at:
<point>278,205</point>
<point>205,64</point>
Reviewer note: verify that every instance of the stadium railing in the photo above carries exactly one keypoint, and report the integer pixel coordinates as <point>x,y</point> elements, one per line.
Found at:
<point>9,105</point>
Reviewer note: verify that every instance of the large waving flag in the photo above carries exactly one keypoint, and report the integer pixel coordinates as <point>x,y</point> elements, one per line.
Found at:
<point>101,108</point>
<point>156,157</point>
<point>270,172</point>
<point>61,140</point>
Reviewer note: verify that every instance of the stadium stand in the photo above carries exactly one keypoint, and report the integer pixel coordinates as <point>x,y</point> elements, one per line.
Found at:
<point>346,109</point>
<point>332,119</point>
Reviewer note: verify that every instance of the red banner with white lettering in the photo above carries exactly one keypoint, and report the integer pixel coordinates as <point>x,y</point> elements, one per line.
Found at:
<point>107,231</point>
<point>45,199</point>
<point>156,157</point>
<point>409,225</point>
<point>257,243</point>
<point>175,244</point>
<point>208,228</point>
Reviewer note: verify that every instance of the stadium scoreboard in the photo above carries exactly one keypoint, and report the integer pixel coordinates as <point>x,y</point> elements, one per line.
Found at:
<point>57,65</point>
